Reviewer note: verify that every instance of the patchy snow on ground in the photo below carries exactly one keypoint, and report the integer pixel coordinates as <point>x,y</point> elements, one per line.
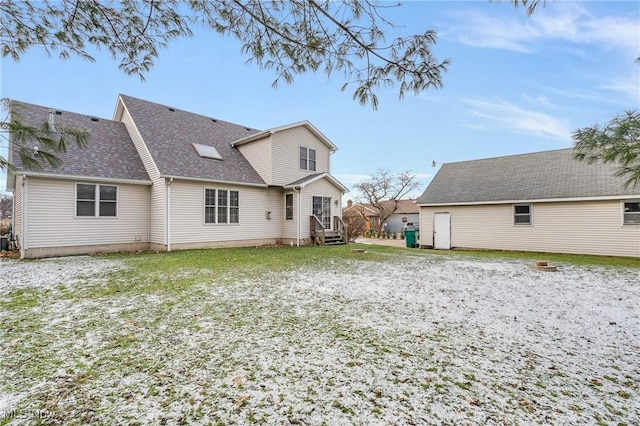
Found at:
<point>53,273</point>
<point>412,339</point>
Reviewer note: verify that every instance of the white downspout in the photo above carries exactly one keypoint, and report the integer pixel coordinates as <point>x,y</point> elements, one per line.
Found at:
<point>169,214</point>
<point>299,218</point>
<point>23,220</point>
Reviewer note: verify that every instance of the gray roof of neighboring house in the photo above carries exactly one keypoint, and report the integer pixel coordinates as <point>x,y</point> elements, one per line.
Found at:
<point>536,176</point>
<point>109,153</point>
<point>169,133</point>
<point>406,206</point>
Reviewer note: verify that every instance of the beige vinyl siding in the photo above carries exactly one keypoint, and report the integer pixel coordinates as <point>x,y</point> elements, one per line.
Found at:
<point>290,227</point>
<point>286,154</point>
<point>141,147</point>
<point>259,155</point>
<point>17,208</point>
<point>593,227</point>
<point>52,222</point>
<point>187,214</point>
<point>158,212</point>
<point>158,227</point>
<point>319,188</point>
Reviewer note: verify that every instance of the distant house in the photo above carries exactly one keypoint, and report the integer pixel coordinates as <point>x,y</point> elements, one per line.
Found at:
<point>407,213</point>
<point>156,177</point>
<point>544,202</point>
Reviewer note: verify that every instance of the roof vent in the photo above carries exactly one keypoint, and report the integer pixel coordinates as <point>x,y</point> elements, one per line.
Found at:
<point>207,151</point>
<point>52,121</point>
<point>248,128</point>
<point>171,109</point>
<point>214,120</point>
<point>94,119</point>
<point>58,112</point>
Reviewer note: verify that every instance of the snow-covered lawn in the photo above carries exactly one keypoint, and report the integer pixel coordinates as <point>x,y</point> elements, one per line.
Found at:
<point>412,338</point>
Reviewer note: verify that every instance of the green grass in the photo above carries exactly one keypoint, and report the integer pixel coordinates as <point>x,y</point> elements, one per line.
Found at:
<point>188,321</point>
<point>553,258</point>
<point>251,262</point>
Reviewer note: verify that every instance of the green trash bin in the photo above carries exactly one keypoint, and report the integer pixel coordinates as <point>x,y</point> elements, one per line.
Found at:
<point>410,238</point>
<point>371,232</point>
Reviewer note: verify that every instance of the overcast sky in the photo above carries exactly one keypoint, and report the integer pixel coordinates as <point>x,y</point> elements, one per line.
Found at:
<point>516,84</point>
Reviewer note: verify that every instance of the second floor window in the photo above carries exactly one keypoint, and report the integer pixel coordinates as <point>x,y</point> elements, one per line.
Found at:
<point>307,159</point>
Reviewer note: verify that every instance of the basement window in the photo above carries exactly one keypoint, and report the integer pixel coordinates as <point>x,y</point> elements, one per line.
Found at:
<point>522,214</point>
<point>632,212</point>
<point>207,151</point>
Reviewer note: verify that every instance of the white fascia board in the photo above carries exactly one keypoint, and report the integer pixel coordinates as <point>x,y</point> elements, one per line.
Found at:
<point>84,178</point>
<point>217,181</point>
<point>252,138</point>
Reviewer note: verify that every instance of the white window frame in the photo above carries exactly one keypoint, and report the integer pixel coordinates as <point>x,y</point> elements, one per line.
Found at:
<point>305,156</point>
<point>312,161</point>
<point>530,214</point>
<point>230,211</point>
<point>324,203</point>
<point>288,208</point>
<point>625,213</point>
<point>96,200</point>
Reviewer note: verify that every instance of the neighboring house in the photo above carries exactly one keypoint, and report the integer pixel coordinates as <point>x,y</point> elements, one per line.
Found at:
<point>406,213</point>
<point>156,177</point>
<point>543,202</point>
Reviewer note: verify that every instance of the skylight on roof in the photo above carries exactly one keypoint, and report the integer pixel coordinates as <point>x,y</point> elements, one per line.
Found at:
<point>206,151</point>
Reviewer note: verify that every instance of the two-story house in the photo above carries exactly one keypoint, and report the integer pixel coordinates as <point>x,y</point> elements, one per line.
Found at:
<point>156,177</point>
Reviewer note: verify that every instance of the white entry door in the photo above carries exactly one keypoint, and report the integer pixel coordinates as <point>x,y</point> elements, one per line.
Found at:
<point>442,231</point>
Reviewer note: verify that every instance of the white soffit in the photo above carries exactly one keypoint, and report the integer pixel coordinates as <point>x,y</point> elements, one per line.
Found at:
<point>206,151</point>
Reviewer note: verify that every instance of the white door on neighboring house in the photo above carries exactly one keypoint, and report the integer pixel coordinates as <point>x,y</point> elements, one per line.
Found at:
<point>442,231</point>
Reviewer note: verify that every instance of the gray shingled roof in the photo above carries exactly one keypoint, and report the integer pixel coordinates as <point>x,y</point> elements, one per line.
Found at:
<point>169,133</point>
<point>110,153</point>
<point>304,179</point>
<point>536,176</point>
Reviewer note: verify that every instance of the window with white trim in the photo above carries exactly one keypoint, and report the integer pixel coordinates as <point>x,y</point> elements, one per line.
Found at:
<point>307,159</point>
<point>288,207</point>
<point>632,212</point>
<point>221,206</point>
<point>96,200</point>
<point>522,214</point>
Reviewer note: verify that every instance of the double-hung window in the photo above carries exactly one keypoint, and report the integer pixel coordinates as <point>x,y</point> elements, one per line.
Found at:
<point>307,159</point>
<point>522,214</point>
<point>288,207</point>
<point>221,206</point>
<point>632,212</point>
<point>96,200</point>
